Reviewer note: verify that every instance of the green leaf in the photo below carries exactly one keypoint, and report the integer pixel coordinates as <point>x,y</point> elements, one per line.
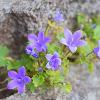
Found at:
<point>68,87</point>
<point>3,51</point>
<point>96,19</point>
<point>25,60</point>
<point>96,33</point>
<point>91,67</point>
<point>60,36</point>
<point>55,77</point>
<point>87,48</point>
<point>54,47</point>
<point>37,80</point>
<point>14,65</point>
<point>81,18</point>
<point>31,87</point>
<point>88,29</point>
<point>4,62</point>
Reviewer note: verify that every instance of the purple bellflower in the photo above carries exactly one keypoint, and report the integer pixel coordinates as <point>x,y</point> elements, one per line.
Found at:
<point>19,80</point>
<point>38,42</point>
<point>97,50</point>
<point>40,69</point>
<point>30,50</point>
<point>54,62</point>
<point>58,16</point>
<point>72,41</point>
<point>93,26</point>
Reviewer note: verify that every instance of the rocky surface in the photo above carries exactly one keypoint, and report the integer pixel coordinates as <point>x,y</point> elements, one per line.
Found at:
<point>19,17</point>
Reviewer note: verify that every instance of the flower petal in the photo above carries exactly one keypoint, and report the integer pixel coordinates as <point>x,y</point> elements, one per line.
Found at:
<point>58,16</point>
<point>97,51</point>
<point>32,37</point>
<point>48,56</point>
<point>12,74</point>
<point>55,67</point>
<point>56,62</point>
<point>48,66</point>
<point>27,79</point>
<point>68,35</point>
<point>29,49</point>
<point>34,54</point>
<point>21,71</point>
<point>77,35</point>
<point>21,89</point>
<point>79,43</point>
<point>12,84</point>
<point>73,49</point>
<point>55,55</point>
<point>38,47</point>
<point>63,41</point>
<point>47,39</point>
<point>59,61</point>
<point>41,36</point>
<point>44,47</point>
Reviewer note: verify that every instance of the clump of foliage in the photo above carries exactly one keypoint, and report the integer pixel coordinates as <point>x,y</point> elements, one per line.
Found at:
<point>91,28</point>
<point>46,61</point>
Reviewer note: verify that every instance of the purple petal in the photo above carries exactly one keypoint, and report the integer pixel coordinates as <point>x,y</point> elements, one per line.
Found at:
<point>55,55</point>
<point>29,49</point>
<point>21,89</point>
<point>55,67</point>
<point>27,79</point>
<point>63,41</point>
<point>21,71</point>
<point>38,47</point>
<point>12,84</point>
<point>58,16</point>
<point>97,51</point>
<point>40,69</point>
<point>48,56</point>
<point>41,36</point>
<point>77,35</point>
<point>47,39</point>
<point>68,35</point>
<point>44,47</point>
<point>56,62</point>
<point>48,66</point>
<point>32,37</point>
<point>12,74</point>
<point>59,61</point>
<point>34,54</point>
<point>79,43</point>
<point>73,49</point>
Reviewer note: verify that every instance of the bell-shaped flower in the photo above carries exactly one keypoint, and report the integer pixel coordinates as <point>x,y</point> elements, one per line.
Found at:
<point>30,50</point>
<point>72,41</point>
<point>38,42</point>
<point>54,62</point>
<point>19,80</point>
<point>97,50</point>
<point>58,16</point>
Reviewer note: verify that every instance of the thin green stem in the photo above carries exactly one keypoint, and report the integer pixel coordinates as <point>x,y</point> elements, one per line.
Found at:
<point>46,30</point>
<point>89,53</point>
<point>38,62</point>
<point>67,53</point>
